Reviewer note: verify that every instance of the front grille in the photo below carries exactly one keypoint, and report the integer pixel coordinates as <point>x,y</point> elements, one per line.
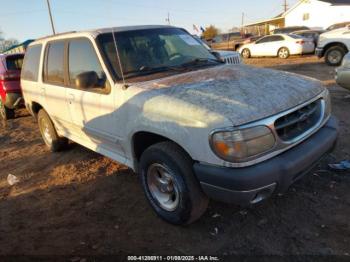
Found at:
<point>232,60</point>
<point>297,123</point>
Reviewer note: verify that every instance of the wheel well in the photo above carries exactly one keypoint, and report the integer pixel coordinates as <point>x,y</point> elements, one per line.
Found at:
<point>143,140</point>
<point>334,44</point>
<point>36,108</point>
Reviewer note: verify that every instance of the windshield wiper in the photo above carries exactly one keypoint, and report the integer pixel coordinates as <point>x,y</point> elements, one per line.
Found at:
<point>145,70</point>
<point>200,61</point>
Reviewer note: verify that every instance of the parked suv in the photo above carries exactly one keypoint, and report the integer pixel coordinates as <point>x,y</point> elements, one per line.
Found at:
<point>192,127</point>
<point>333,46</point>
<point>10,90</point>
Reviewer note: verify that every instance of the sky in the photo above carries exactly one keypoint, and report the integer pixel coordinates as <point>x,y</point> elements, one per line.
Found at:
<point>29,19</point>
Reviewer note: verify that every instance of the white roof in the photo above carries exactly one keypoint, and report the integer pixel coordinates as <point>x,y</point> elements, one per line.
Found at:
<point>96,32</point>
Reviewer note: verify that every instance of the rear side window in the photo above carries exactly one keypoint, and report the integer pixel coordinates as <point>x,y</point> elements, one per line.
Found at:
<point>82,60</point>
<point>14,62</point>
<point>31,63</point>
<point>53,70</point>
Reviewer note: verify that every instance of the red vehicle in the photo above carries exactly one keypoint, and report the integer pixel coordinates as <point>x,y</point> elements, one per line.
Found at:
<point>10,89</point>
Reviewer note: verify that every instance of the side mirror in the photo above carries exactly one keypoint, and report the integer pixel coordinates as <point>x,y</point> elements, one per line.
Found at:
<point>217,55</point>
<point>86,80</point>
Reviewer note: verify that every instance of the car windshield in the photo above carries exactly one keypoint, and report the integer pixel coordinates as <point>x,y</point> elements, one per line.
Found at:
<point>153,50</point>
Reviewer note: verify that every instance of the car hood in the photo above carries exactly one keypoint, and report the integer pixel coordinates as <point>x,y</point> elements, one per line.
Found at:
<point>239,93</point>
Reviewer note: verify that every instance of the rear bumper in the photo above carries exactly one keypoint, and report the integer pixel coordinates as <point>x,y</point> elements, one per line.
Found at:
<point>249,185</point>
<point>319,52</point>
<point>13,100</point>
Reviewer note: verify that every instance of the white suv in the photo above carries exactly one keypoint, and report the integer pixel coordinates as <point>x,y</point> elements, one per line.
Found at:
<point>156,100</point>
<point>333,45</point>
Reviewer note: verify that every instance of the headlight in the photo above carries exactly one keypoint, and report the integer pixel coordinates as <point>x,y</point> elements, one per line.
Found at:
<point>328,104</point>
<point>240,145</point>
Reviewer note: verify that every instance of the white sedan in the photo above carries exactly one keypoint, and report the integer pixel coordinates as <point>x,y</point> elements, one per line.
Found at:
<point>281,45</point>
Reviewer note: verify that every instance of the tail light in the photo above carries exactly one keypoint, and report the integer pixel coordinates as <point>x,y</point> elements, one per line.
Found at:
<point>300,42</point>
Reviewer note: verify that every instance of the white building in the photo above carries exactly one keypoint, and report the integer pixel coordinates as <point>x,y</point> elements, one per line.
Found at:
<point>318,13</point>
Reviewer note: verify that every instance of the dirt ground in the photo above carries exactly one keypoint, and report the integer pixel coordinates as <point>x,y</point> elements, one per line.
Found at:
<point>79,203</point>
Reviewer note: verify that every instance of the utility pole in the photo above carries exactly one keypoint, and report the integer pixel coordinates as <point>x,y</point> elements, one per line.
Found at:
<point>242,19</point>
<point>285,5</point>
<point>51,20</point>
<point>242,25</point>
<point>168,19</point>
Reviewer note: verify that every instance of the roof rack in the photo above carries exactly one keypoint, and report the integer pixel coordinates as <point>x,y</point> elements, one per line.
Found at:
<point>49,36</point>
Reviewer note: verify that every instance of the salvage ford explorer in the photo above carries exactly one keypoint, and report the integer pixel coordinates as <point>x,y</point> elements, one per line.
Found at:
<point>153,98</point>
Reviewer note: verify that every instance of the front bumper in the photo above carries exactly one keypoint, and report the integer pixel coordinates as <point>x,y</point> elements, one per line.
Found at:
<point>319,52</point>
<point>13,100</point>
<point>249,185</point>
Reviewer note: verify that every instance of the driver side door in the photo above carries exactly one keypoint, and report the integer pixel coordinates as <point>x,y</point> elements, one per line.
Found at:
<point>92,106</point>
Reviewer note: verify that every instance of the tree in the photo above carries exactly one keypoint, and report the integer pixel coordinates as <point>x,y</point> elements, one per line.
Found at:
<point>210,32</point>
<point>6,43</point>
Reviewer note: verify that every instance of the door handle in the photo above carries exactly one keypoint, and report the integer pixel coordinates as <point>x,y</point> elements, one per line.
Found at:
<point>71,98</point>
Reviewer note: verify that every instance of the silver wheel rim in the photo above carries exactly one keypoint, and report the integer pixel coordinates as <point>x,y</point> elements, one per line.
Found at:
<point>45,131</point>
<point>245,53</point>
<point>283,53</point>
<point>335,56</point>
<point>163,187</point>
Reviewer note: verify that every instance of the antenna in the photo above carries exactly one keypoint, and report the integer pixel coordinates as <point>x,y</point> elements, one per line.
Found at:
<point>51,20</point>
<point>168,18</point>
<point>125,86</point>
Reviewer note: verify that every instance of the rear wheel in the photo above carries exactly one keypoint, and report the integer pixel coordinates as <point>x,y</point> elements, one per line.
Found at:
<point>6,113</point>
<point>283,53</point>
<point>334,55</point>
<point>246,53</point>
<point>170,184</point>
<point>48,132</point>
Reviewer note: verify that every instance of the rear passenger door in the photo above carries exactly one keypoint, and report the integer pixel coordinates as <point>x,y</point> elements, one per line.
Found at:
<point>274,44</point>
<point>54,83</point>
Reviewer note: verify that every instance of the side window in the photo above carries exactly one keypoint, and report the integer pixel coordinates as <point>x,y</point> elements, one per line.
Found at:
<point>31,63</point>
<point>278,38</point>
<point>263,40</point>
<point>84,68</point>
<point>54,61</point>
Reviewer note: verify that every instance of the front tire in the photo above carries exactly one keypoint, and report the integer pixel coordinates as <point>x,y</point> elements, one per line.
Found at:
<point>334,55</point>
<point>283,53</point>
<point>170,185</point>
<point>48,132</point>
<point>6,113</point>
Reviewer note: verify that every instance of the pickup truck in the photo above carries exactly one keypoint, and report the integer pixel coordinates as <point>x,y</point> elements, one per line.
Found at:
<point>229,41</point>
<point>333,45</point>
<point>156,100</point>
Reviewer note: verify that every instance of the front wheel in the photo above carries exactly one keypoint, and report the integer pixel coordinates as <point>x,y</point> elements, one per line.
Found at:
<point>6,113</point>
<point>283,53</point>
<point>170,184</point>
<point>48,132</point>
<point>334,55</point>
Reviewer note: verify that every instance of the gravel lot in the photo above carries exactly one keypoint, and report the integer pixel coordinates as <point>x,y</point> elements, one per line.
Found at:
<point>79,203</point>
